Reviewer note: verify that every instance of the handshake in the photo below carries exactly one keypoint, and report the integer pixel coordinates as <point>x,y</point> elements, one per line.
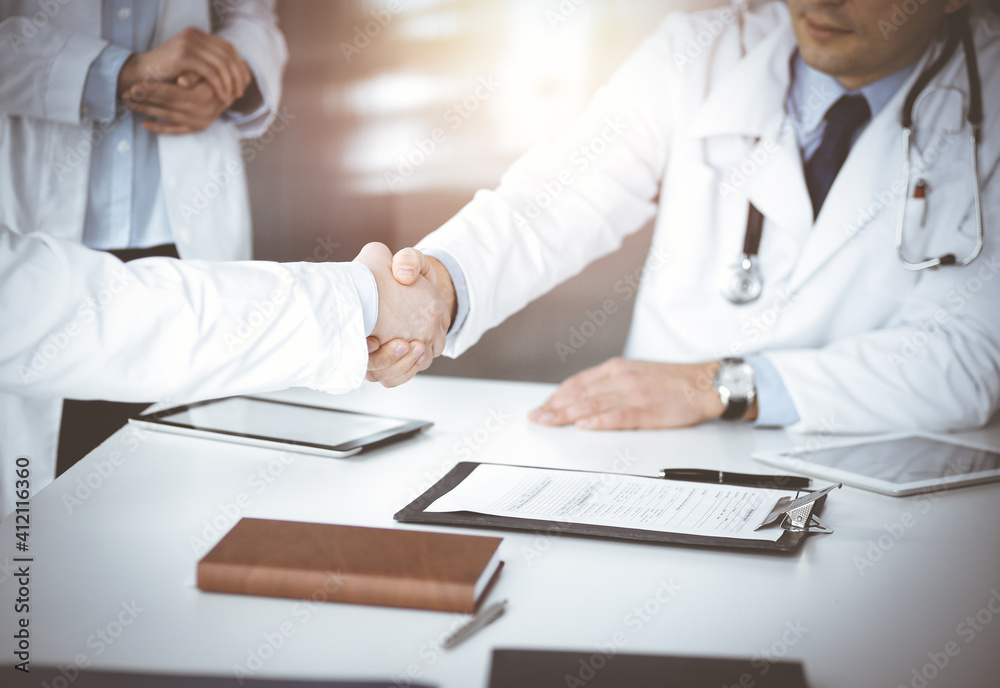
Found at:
<point>416,306</point>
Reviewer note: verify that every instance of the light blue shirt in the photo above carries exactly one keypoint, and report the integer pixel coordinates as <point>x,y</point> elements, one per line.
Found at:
<point>813,92</point>
<point>125,206</point>
<point>810,96</point>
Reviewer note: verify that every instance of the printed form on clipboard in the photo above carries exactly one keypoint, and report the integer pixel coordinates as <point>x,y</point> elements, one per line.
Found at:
<point>611,499</point>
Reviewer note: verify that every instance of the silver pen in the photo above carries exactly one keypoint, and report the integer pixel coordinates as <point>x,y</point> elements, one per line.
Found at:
<point>481,620</point>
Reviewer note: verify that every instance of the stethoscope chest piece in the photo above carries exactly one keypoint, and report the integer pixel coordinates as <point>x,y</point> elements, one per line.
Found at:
<point>744,283</point>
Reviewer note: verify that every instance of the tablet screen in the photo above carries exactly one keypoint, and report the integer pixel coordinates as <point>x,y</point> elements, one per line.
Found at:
<point>905,460</point>
<point>283,422</point>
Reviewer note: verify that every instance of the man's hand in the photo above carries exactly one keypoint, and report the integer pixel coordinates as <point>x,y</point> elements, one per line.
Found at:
<point>174,109</point>
<point>388,362</point>
<point>185,83</point>
<point>211,58</point>
<point>412,319</point>
<point>623,395</point>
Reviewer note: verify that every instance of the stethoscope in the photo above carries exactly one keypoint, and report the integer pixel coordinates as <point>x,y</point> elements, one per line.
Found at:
<point>745,282</point>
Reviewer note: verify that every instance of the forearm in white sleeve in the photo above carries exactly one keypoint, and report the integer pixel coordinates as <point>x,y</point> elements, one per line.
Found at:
<point>569,201</point>
<point>81,324</point>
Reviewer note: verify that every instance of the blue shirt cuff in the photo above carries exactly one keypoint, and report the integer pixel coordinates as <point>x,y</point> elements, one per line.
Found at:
<point>364,282</point>
<point>775,407</point>
<point>100,89</point>
<point>458,281</point>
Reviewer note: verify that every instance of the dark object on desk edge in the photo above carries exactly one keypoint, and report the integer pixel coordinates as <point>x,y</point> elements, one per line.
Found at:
<point>414,513</point>
<point>121,679</point>
<point>512,668</point>
<point>705,475</point>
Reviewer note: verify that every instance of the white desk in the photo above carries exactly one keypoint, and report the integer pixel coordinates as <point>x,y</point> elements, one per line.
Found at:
<point>130,541</point>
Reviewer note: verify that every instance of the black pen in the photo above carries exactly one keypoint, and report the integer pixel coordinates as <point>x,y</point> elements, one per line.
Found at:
<point>705,475</point>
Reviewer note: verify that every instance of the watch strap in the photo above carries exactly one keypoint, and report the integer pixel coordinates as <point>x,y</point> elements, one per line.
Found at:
<point>735,409</point>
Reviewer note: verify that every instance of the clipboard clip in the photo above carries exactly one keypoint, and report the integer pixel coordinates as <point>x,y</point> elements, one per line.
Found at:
<point>796,513</point>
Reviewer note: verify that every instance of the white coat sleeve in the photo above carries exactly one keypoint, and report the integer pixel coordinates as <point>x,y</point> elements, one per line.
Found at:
<point>252,27</point>
<point>935,366</point>
<point>43,69</point>
<point>81,324</point>
<point>568,201</point>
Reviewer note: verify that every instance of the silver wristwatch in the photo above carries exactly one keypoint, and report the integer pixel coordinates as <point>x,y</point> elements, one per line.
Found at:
<point>734,381</point>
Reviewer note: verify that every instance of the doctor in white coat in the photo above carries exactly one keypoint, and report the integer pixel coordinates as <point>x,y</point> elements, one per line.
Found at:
<point>54,67</point>
<point>723,109</point>
<point>80,323</point>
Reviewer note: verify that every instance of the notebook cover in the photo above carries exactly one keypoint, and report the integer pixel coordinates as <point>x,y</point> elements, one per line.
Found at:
<point>414,513</point>
<point>69,675</point>
<point>379,566</point>
<point>595,669</point>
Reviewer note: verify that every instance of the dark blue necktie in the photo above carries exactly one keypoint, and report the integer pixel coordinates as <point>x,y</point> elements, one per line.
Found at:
<point>843,119</point>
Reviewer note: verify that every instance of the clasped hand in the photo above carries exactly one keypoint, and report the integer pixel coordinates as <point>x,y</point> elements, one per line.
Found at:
<point>413,320</point>
<point>185,83</point>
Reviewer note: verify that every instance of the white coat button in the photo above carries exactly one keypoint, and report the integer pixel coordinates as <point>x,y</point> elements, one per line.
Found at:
<point>123,147</point>
<point>172,181</point>
<point>124,13</point>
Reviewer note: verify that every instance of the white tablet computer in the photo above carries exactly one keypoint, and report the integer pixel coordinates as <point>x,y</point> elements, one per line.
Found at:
<point>283,424</point>
<point>896,465</point>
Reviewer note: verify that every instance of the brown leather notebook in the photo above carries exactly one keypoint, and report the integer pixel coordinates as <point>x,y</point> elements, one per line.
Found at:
<point>380,566</point>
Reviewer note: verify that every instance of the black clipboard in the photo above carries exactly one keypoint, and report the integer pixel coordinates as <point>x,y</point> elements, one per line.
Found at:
<point>414,512</point>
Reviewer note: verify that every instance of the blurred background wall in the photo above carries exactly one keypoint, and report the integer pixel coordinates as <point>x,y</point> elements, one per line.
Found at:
<point>351,159</point>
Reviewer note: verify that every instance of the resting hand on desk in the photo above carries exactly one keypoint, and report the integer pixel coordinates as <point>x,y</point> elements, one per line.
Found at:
<point>412,319</point>
<point>621,394</point>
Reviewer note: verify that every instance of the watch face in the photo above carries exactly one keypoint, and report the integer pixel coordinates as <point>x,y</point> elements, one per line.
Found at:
<point>737,379</point>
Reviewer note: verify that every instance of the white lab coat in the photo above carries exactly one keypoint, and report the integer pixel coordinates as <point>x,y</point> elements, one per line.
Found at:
<point>81,324</point>
<point>45,145</point>
<point>45,52</point>
<point>689,130</point>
